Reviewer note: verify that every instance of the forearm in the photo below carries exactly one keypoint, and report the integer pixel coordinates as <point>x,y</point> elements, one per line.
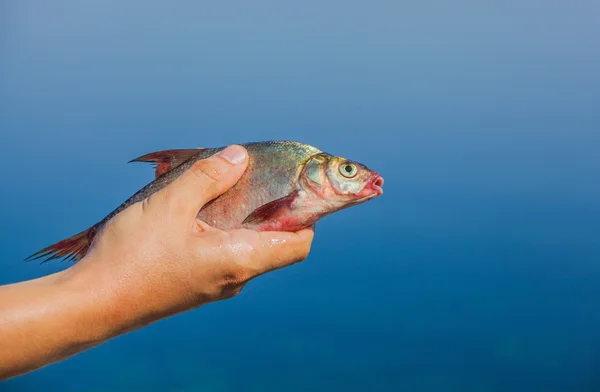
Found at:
<point>49,319</point>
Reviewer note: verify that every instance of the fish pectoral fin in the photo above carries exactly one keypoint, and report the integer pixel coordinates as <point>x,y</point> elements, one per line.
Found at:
<point>270,210</point>
<point>167,160</point>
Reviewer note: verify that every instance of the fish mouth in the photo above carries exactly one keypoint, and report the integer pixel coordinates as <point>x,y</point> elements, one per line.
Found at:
<point>376,183</point>
<point>372,189</point>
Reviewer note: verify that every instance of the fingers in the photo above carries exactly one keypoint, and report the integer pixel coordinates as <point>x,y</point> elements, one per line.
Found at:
<point>276,250</point>
<point>206,179</point>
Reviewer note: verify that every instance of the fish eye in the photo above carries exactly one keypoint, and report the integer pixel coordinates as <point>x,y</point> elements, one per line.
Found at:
<point>348,169</point>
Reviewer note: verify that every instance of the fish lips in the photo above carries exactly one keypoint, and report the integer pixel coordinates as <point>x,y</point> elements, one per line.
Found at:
<point>372,189</point>
<point>376,184</point>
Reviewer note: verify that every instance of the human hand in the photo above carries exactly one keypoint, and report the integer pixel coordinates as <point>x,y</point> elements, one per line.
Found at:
<point>155,258</point>
<point>152,260</point>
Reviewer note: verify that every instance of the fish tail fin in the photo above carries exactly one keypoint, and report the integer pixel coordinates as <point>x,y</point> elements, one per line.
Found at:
<point>71,249</point>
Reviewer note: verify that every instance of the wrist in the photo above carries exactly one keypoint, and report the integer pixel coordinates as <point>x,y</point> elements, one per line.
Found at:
<point>90,309</point>
<point>117,300</point>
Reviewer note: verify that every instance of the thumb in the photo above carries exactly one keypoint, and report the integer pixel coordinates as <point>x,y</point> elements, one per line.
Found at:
<point>206,179</point>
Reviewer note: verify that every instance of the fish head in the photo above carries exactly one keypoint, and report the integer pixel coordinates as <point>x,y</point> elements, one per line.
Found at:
<point>340,182</point>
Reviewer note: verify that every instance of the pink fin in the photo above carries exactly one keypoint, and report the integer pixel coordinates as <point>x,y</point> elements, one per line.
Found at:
<point>167,160</point>
<point>72,248</point>
<point>276,209</point>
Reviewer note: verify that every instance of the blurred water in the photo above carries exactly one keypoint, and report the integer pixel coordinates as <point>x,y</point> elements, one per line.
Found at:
<point>478,270</point>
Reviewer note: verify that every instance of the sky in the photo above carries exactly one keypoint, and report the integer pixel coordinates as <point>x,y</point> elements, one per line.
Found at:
<point>477,270</point>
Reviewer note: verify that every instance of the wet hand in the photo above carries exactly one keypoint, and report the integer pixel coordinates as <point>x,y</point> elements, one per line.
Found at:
<point>156,258</point>
<point>152,260</point>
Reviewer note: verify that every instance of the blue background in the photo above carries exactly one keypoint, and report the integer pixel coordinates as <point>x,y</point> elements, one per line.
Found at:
<point>479,268</point>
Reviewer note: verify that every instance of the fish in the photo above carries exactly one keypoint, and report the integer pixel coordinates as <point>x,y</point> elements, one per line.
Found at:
<point>287,186</point>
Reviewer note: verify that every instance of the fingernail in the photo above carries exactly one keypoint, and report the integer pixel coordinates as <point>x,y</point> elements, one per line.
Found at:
<point>234,154</point>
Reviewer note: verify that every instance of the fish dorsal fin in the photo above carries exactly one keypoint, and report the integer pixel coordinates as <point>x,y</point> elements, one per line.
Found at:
<point>167,160</point>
